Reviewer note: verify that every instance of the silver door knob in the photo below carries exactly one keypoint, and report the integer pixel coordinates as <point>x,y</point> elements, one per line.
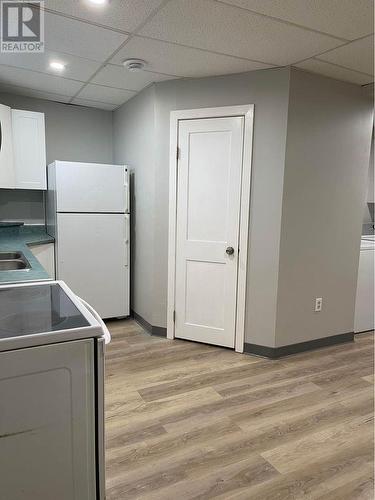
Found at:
<point>229,251</point>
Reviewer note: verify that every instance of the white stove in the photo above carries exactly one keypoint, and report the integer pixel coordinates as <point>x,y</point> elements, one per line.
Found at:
<point>51,394</point>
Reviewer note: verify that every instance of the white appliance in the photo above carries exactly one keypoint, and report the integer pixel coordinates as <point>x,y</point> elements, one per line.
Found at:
<point>88,215</point>
<point>364,305</point>
<point>51,394</point>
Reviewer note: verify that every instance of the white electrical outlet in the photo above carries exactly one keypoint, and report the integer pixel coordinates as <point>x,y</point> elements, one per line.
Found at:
<point>318,304</point>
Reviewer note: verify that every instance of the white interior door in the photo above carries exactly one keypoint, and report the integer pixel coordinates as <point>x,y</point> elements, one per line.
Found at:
<point>207,237</point>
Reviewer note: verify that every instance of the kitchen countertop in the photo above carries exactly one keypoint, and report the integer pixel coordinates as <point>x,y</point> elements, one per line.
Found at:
<point>20,239</point>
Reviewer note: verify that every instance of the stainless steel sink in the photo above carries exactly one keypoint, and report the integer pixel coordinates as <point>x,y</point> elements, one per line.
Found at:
<point>13,261</point>
<point>11,255</point>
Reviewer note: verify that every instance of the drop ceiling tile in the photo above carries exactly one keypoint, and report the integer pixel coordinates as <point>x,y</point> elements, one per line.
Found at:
<point>38,81</point>
<point>49,96</point>
<point>327,69</point>
<point>94,104</point>
<point>124,15</point>
<point>106,95</point>
<point>348,19</point>
<point>182,61</point>
<point>221,28</point>
<point>358,55</point>
<point>79,38</point>
<point>76,68</point>
<point>118,76</point>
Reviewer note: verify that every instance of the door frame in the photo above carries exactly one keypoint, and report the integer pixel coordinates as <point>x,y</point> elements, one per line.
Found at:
<point>246,111</point>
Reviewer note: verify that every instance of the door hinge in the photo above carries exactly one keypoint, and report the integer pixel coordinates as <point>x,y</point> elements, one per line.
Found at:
<point>174,316</point>
<point>178,153</point>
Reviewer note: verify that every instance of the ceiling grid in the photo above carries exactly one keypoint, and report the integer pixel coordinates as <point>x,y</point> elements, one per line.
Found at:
<point>188,39</point>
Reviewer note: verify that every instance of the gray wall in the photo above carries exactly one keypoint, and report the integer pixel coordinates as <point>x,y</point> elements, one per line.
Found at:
<point>134,144</point>
<point>72,133</point>
<point>325,185</point>
<point>269,91</point>
<point>304,228</point>
<point>22,205</point>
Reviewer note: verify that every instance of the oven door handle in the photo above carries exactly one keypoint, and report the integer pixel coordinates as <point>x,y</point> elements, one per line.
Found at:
<point>106,334</point>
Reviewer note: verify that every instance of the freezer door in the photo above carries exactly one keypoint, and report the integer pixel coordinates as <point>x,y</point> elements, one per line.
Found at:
<point>90,187</point>
<point>91,259</point>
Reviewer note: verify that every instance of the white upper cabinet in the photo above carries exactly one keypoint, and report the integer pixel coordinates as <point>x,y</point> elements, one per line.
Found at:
<point>7,174</point>
<point>29,149</point>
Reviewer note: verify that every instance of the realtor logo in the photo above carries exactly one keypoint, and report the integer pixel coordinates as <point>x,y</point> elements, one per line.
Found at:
<point>22,26</point>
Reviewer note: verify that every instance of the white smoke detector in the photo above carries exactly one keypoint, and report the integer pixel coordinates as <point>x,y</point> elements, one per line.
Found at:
<point>134,64</point>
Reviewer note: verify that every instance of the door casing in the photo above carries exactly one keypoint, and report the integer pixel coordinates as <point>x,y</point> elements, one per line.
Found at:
<point>247,111</point>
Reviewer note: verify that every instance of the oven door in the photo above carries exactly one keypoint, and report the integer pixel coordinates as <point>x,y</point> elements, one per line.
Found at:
<point>48,444</point>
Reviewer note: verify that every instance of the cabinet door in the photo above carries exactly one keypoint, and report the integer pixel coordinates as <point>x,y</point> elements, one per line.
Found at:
<point>7,179</point>
<point>47,422</point>
<point>29,146</point>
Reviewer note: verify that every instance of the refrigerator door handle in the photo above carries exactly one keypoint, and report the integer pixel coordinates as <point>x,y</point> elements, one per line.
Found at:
<point>126,191</point>
<point>127,238</point>
<point>106,334</point>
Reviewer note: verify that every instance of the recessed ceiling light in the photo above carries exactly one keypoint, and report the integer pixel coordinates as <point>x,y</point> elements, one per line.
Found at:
<point>134,64</point>
<point>98,2</point>
<point>57,66</point>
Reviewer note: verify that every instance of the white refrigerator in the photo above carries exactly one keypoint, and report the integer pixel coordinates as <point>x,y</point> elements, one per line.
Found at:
<point>88,215</point>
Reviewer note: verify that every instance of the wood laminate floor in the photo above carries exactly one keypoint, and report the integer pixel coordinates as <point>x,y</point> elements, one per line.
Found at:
<point>190,421</point>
